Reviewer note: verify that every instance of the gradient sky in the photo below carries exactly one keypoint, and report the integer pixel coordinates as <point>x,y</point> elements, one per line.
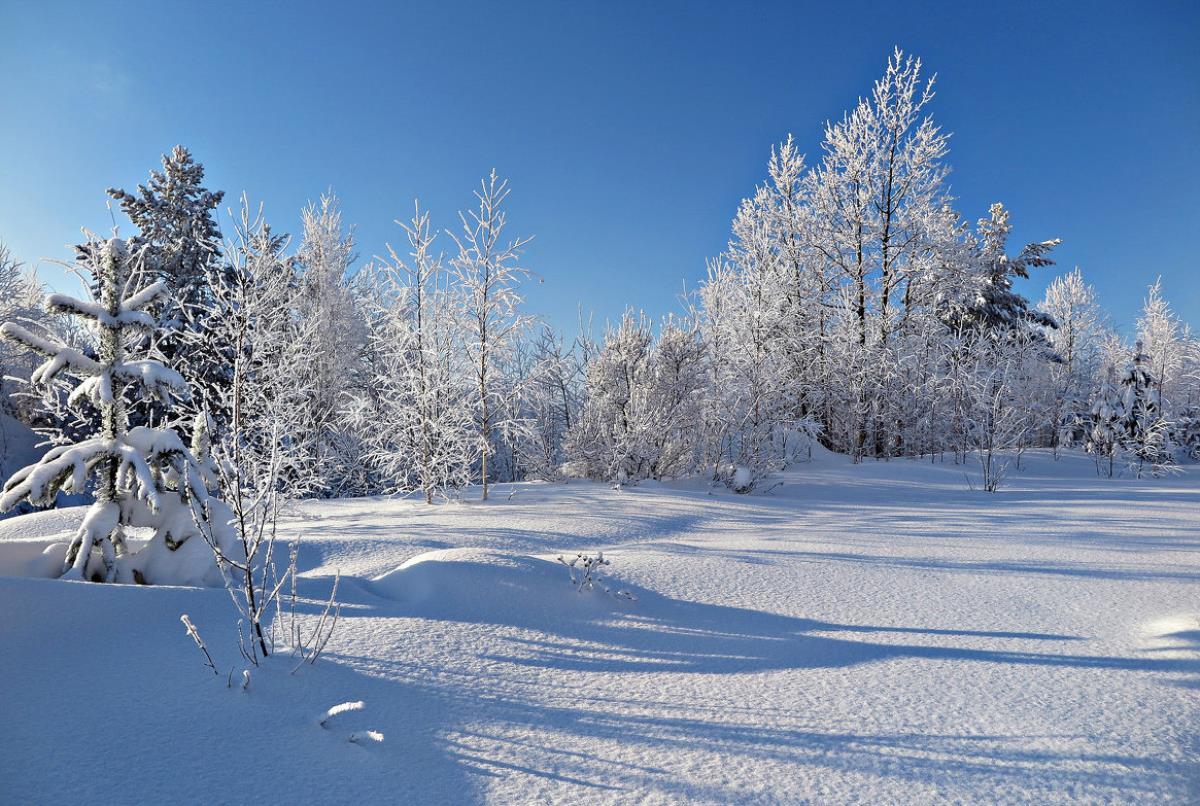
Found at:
<point>629,131</point>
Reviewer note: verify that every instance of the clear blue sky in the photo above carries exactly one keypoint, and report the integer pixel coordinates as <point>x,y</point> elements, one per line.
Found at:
<point>629,130</point>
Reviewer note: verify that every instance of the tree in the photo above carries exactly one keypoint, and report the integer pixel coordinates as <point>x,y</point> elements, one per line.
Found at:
<point>643,404</point>
<point>753,394</point>
<point>144,477</point>
<point>877,201</point>
<point>996,308</point>
<point>1076,341</point>
<point>1169,349</point>
<point>1105,432</point>
<point>173,212</point>
<point>604,443</point>
<point>255,309</point>
<point>334,370</point>
<point>489,275</point>
<point>1143,428</point>
<point>20,301</point>
<point>269,452</point>
<point>414,417</point>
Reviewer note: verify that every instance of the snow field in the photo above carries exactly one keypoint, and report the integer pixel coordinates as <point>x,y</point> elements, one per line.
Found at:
<point>865,634</point>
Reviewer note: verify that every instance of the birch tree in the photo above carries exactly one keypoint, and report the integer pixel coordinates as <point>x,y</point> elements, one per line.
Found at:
<point>489,275</point>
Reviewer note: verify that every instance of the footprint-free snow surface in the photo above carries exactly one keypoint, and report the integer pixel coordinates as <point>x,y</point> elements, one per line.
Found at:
<point>861,634</point>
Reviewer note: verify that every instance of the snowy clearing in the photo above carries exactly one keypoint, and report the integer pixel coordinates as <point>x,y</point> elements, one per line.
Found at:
<point>868,634</point>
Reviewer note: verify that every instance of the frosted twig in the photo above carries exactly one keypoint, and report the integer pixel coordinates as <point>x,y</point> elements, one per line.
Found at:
<point>195,635</point>
<point>363,737</point>
<point>341,708</point>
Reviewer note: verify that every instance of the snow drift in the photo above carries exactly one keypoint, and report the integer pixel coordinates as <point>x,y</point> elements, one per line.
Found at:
<point>472,584</point>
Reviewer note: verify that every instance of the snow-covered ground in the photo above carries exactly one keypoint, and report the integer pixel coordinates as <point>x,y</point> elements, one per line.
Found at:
<point>871,634</point>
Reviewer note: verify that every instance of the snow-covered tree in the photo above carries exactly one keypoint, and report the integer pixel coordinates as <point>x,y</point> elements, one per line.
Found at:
<point>876,210</point>
<point>333,368</point>
<point>1169,351</point>
<point>1076,342</point>
<point>995,410</point>
<point>643,403</point>
<point>752,398</point>
<point>174,214</point>
<point>1144,430</point>
<point>996,309</point>
<point>414,417</point>
<point>1185,432</point>
<point>880,179</point>
<point>489,275</point>
<point>1105,432</point>
<point>269,451</point>
<point>604,443</point>
<point>554,393</point>
<point>143,477</point>
<point>255,308</point>
<point>20,301</point>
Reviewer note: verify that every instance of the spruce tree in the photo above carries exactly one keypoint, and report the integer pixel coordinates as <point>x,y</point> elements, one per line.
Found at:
<point>997,309</point>
<point>173,212</point>
<point>1143,430</point>
<point>1105,431</point>
<point>142,477</point>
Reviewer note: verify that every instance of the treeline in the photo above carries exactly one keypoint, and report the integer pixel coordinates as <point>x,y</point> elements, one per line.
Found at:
<point>854,307</point>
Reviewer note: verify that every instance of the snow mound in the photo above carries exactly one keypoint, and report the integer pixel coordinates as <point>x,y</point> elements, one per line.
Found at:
<point>472,584</point>
<point>33,545</point>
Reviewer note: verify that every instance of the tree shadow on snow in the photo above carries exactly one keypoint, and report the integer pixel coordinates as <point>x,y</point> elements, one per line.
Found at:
<point>491,721</point>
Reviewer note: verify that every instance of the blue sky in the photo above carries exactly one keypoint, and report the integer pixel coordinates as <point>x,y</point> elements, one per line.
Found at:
<point>629,131</point>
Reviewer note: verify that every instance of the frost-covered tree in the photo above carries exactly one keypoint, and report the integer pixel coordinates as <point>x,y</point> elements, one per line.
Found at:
<point>1105,432</point>
<point>268,453</point>
<point>21,294</point>
<point>255,308</point>
<point>1076,341</point>
<point>1144,431</point>
<point>333,367</point>
<point>489,275</point>
<point>414,417</point>
<point>876,210</point>
<point>143,477</point>
<point>643,403</point>
<point>994,410</point>
<point>1169,351</point>
<point>1185,432</point>
<point>174,214</point>
<point>995,308</point>
<point>553,398</point>
<point>880,179</point>
<point>753,398</point>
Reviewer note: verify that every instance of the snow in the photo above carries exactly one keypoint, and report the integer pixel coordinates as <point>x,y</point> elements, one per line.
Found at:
<point>64,303</point>
<point>742,479</point>
<point>863,634</point>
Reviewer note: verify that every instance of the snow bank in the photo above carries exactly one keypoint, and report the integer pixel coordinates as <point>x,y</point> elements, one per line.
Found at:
<point>33,545</point>
<point>472,584</point>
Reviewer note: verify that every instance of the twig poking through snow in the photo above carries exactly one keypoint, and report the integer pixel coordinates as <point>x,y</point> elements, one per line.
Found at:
<point>590,575</point>
<point>341,708</point>
<point>311,649</point>
<point>366,737</point>
<point>191,630</point>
